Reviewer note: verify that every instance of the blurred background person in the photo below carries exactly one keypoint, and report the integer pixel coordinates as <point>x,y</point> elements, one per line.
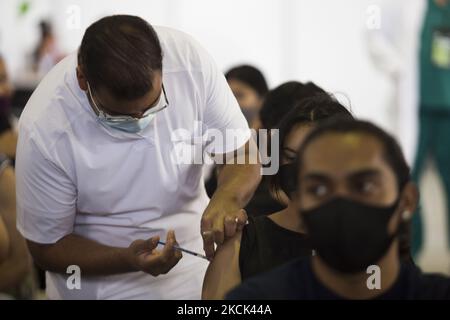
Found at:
<point>8,134</point>
<point>270,241</point>
<point>249,87</point>
<point>434,104</point>
<point>46,53</point>
<point>278,102</point>
<point>411,48</point>
<point>4,236</point>
<point>17,278</point>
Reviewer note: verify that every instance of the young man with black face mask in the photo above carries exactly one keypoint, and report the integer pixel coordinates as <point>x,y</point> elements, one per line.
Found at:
<point>355,197</point>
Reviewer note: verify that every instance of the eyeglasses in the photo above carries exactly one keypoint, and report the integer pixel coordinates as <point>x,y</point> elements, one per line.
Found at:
<point>159,106</point>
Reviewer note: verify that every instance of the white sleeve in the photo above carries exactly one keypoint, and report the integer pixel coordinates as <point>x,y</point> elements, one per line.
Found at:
<point>222,114</point>
<point>46,196</point>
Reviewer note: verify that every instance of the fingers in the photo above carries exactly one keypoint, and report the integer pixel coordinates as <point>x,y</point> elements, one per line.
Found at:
<point>208,236</point>
<point>169,255</point>
<point>241,220</point>
<point>142,246</point>
<point>222,227</point>
<point>230,226</point>
<point>235,223</point>
<point>169,250</point>
<point>218,230</point>
<point>208,244</point>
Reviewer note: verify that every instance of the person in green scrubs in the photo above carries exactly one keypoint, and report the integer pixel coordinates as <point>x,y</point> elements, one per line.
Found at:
<point>434,116</point>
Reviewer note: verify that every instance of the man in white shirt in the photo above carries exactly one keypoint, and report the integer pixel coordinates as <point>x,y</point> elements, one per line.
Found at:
<point>97,181</point>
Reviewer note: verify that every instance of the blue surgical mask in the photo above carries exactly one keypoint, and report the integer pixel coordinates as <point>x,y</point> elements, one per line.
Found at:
<point>128,123</point>
<point>131,126</point>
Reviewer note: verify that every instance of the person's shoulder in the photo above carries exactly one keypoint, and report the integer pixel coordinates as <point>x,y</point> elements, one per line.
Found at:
<point>181,51</point>
<point>427,286</point>
<point>167,33</point>
<point>434,287</point>
<point>279,283</point>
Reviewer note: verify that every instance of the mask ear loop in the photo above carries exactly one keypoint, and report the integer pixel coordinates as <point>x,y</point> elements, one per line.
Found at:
<point>403,233</point>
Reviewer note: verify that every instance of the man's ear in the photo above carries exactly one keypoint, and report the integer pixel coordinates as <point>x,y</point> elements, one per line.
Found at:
<point>82,81</point>
<point>409,200</point>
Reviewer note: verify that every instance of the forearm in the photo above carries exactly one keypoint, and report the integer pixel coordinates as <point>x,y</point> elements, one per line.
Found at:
<point>223,273</point>
<point>239,181</point>
<point>92,257</point>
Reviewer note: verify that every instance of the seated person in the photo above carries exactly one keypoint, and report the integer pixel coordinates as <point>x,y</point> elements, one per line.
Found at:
<point>277,103</point>
<point>269,241</point>
<point>4,237</point>
<point>354,195</point>
<point>249,87</point>
<point>8,136</point>
<point>16,274</point>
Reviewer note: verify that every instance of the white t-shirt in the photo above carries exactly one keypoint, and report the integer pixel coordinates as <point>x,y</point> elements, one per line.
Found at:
<point>76,175</point>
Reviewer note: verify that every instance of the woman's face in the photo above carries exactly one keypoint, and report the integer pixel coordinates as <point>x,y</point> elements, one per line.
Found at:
<point>293,141</point>
<point>291,145</point>
<point>248,99</point>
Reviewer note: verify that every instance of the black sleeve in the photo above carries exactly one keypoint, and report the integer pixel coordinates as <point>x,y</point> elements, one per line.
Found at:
<point>247,246</point>
<point>249,290</point>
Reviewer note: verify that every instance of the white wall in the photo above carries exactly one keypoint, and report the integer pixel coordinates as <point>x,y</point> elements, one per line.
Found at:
<point>319,40</point>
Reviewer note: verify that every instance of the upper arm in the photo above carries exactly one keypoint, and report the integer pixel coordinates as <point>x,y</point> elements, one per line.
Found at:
<point>8,214</point>
<point>46,195</point>
<point>4,241</point>
<point>223,273</point>
<point>7,201</point>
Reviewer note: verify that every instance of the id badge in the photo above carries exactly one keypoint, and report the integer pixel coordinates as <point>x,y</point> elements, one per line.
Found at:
<point>440,51</point>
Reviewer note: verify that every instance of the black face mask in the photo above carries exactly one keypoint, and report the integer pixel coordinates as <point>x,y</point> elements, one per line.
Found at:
<point>349,236</point>
<point>286,175</point>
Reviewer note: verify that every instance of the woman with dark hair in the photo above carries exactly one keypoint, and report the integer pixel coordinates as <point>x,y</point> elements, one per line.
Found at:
<point>249,87</point>
<point>277,103</point>
<point>269,241</point>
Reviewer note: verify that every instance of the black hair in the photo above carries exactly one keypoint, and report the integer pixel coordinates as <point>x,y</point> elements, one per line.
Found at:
<point>122,54</point>
<point>282,99</point>
<point>251,76</point>
<point>392,152</point>
<point>309,111</point>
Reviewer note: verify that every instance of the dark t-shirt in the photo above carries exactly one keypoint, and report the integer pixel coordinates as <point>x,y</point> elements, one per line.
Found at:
<point>296,281</point>
<point>262,202</point>
<point>266,245</point>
